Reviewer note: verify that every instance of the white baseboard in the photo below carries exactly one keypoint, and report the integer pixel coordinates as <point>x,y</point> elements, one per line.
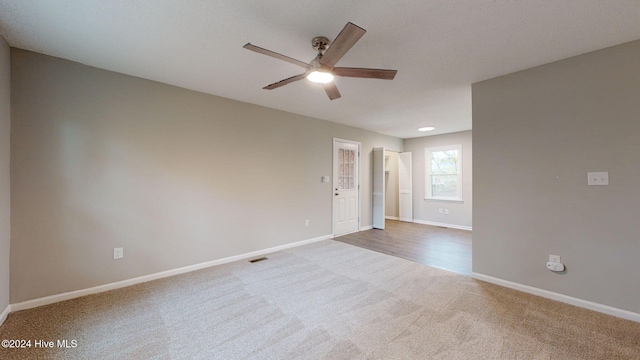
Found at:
<point>4,314</point>
<point>163,274</point>
<point>606,309</point>
<point>333,236</point>
<point>392,218</point>
<point>453,226</point>
<point>362,228</point>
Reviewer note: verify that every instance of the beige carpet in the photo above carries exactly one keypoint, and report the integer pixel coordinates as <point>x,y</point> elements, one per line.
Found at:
<point>325,300</point>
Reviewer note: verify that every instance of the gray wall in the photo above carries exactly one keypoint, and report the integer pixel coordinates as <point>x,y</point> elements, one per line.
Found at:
<point>5,200</point>
<point>536,135</point>
<point>176,177</point>
<point>460,214</point>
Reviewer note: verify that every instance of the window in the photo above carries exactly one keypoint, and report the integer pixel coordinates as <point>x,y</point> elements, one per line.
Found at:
<point>443,167</point>
<point>346,169</point>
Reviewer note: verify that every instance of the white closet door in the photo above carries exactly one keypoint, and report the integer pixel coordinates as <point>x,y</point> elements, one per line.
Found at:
<point>378,188</point>
<point>405,198</point>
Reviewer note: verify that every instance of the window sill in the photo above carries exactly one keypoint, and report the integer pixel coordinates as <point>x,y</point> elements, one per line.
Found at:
<point>454,201</point>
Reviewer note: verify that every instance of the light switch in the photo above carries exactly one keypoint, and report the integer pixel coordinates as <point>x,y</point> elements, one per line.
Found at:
<point>598,178</point>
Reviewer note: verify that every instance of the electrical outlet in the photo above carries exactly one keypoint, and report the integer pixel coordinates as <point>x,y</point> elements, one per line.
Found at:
<point>446,211</point>
<point>306,222</point>
<point>554,258</point>
<point>440,211</point>
<point>598,178</point>
<point>555,266</point>
<point>118,253</point>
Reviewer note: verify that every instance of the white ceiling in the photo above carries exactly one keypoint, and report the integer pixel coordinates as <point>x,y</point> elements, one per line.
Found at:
<point>439,47</point>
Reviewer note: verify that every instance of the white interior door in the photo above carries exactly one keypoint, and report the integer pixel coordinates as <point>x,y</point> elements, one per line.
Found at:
<point>405,198</point>
<point>346,201</point>
<point>378,188</point>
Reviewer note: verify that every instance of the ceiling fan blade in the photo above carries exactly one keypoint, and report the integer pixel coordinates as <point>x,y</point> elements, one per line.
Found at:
<point>260,50</point>
<point>332,90</point>
<point>365,73</point>
<point>349,35</point>
<point>284,82</point>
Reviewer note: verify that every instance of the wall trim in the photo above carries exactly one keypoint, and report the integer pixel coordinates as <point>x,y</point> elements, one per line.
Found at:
<point>453,226</point>
<point>5,313</point>
<point>333,236</point>
<point>392,217</point>
<point>163,274</point>
<point>605,309</point>
<point>362,228</point>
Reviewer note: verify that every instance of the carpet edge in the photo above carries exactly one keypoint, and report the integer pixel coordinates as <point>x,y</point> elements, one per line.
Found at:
<point>590,305</point>
<point>29,304</point>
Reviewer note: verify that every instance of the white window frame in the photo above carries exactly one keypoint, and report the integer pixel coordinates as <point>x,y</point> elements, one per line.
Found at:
<point>427,161</point>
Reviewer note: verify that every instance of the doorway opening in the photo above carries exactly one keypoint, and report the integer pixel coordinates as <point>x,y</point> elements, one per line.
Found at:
<point>392,187</point>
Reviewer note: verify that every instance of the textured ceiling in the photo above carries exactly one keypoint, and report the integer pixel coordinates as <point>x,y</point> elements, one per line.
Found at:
<point>439,47</point>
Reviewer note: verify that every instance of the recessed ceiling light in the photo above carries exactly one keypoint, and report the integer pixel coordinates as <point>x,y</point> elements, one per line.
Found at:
<point>426,128</point>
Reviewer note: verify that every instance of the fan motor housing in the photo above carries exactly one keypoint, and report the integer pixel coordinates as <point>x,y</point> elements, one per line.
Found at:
<point>320,43</point>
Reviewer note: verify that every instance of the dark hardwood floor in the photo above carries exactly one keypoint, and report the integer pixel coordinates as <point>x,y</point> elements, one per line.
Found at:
<point>444,248</point>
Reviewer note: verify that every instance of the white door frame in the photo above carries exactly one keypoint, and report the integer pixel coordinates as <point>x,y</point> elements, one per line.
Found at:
<point>405,187</point>
<point>334,180</point>
<point>378,188</point>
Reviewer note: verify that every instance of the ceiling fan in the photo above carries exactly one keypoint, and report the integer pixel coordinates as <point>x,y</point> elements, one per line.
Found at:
<point>322,69</point>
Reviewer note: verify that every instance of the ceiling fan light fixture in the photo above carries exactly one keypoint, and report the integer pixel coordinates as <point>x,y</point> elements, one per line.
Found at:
<point>320,76</point>
<point>322,68</point>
